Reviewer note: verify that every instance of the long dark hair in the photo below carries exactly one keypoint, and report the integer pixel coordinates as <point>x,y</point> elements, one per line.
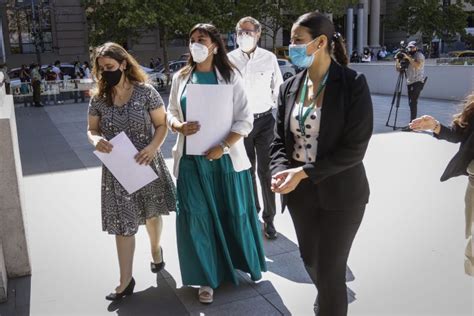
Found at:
<point>220,60</point>
<point>134,73</point>
<point>318,24</point>
<point>467,114</point>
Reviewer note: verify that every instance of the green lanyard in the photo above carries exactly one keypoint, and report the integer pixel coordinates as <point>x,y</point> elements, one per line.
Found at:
<point>302,117</point>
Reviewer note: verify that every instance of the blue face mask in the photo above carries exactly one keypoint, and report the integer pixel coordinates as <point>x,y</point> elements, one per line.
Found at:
<point>299,57</point>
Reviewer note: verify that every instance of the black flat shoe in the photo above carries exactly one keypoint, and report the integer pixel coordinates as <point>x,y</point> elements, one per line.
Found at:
<point>270,231</point>
<point>157,267</point>
<point>118,296</point>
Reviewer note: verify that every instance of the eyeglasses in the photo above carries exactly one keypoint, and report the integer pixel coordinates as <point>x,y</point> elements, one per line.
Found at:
<point>246,32</point>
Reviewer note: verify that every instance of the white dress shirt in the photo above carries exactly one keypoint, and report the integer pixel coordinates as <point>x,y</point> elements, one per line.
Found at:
<point>242,121</point>
<point>262,77</point>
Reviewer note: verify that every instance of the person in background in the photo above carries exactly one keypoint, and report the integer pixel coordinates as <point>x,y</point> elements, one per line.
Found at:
<point>366,55</point>
<point>78,75</point>
<point>24,79</point>
<point>415,78</point>
<point>262,80</point>
<point>158,62</point>
<point>216,225</point>
<point>50,75</point>
<point>50,82</point>
<point>124,103</point>
<point>57,70</point>
<point>324,124</point>
<point>382,54</point>
<point>36,84</point>
<point>87,70</point>
<point>6,77</point>
<point>78,70</point>
<point>462,164</point>
<point>59,79</point>
<point>152,64</point>
<point>355,58</point>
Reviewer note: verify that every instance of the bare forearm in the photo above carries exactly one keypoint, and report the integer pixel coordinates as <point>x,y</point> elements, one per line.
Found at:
<point>232,138</point>
<point>159,136</point>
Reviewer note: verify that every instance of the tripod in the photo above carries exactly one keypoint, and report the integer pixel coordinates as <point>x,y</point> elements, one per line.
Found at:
<point>396,99</point>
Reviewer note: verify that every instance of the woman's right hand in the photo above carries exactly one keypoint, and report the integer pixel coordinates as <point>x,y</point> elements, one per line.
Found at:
<point>103,146</point>
<point>188,128</point>
<point>426,122</point>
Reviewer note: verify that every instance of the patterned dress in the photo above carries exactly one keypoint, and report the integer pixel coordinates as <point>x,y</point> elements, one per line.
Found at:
<point>122,213</point>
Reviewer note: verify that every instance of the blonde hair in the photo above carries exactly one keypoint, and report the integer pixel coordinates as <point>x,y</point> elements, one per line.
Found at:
<point>133,71</point>
<point>462,119</point>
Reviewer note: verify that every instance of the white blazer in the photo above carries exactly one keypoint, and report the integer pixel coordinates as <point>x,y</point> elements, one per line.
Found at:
<point>242,122</point>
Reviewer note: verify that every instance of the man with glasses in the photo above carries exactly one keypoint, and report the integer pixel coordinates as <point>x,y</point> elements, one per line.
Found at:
<point>262,79</point>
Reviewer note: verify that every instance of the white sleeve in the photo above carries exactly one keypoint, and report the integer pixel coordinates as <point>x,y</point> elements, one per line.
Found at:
<point>172,113</point>
<point>243,116</point>
<point>277,80</point>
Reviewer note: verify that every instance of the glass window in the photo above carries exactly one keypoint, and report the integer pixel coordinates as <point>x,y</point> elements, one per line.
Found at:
<point>24,27</point>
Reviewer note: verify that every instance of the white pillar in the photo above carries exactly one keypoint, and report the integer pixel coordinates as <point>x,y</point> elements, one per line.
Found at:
<point>350,30</point>
<point>360,27</point>
<point>366,22</point>
<point>375,23</point>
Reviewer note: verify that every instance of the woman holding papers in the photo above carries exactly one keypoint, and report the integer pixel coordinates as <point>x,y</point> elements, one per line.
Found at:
<point>217,226</point>
<point>324,123</point>
<point>123,102</point>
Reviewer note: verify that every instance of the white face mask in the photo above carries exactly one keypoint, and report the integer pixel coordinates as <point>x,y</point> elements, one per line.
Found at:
<point>199,52</point>
<point>246,43</point>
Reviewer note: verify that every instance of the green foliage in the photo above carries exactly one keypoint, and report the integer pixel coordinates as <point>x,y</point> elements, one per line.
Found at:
<point>111,20</point>
<point>278,14</point>
<point>430,18</point>
<point>120,20</point>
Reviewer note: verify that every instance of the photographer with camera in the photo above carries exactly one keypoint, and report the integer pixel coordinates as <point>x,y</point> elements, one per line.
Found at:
<point>412,62</point>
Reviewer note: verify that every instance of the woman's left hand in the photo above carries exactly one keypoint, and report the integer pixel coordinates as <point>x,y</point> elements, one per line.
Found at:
<point>146,156</point>
<point>215,152</point>
<point>286,181</point>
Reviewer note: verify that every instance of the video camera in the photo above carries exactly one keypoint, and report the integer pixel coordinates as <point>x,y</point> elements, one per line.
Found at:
<point>404,62</point>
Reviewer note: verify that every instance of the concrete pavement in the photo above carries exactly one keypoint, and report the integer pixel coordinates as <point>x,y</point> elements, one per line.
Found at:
<point>407,258</point>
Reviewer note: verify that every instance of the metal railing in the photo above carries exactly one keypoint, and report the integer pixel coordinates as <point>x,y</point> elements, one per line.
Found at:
<point>53,91</point>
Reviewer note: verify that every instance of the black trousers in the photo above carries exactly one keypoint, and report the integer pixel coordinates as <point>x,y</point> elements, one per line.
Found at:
<point>36,92</point>
<point>257,145</point>
<point>325,238</point>
<point>7,88</point>
<point>414,91</point>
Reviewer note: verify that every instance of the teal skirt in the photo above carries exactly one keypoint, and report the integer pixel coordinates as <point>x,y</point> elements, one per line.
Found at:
<point>216,225</point>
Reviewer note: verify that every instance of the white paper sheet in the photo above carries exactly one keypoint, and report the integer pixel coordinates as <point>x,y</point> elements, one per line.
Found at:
<point>212,106</point>
<point>121,162</point>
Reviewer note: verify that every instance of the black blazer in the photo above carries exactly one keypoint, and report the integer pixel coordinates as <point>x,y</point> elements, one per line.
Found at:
<point>454,134</point>
<point>346,126</point>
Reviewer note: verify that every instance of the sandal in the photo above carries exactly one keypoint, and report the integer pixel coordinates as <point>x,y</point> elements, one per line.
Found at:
<point>206,295</point>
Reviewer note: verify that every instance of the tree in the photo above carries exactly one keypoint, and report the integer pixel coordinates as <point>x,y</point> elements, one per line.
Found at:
<point>430,18</point>
<point>125,20</point>
<point>275,15</point>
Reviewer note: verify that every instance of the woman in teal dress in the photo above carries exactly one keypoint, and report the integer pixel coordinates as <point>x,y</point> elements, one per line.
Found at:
<point>217,227</point>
